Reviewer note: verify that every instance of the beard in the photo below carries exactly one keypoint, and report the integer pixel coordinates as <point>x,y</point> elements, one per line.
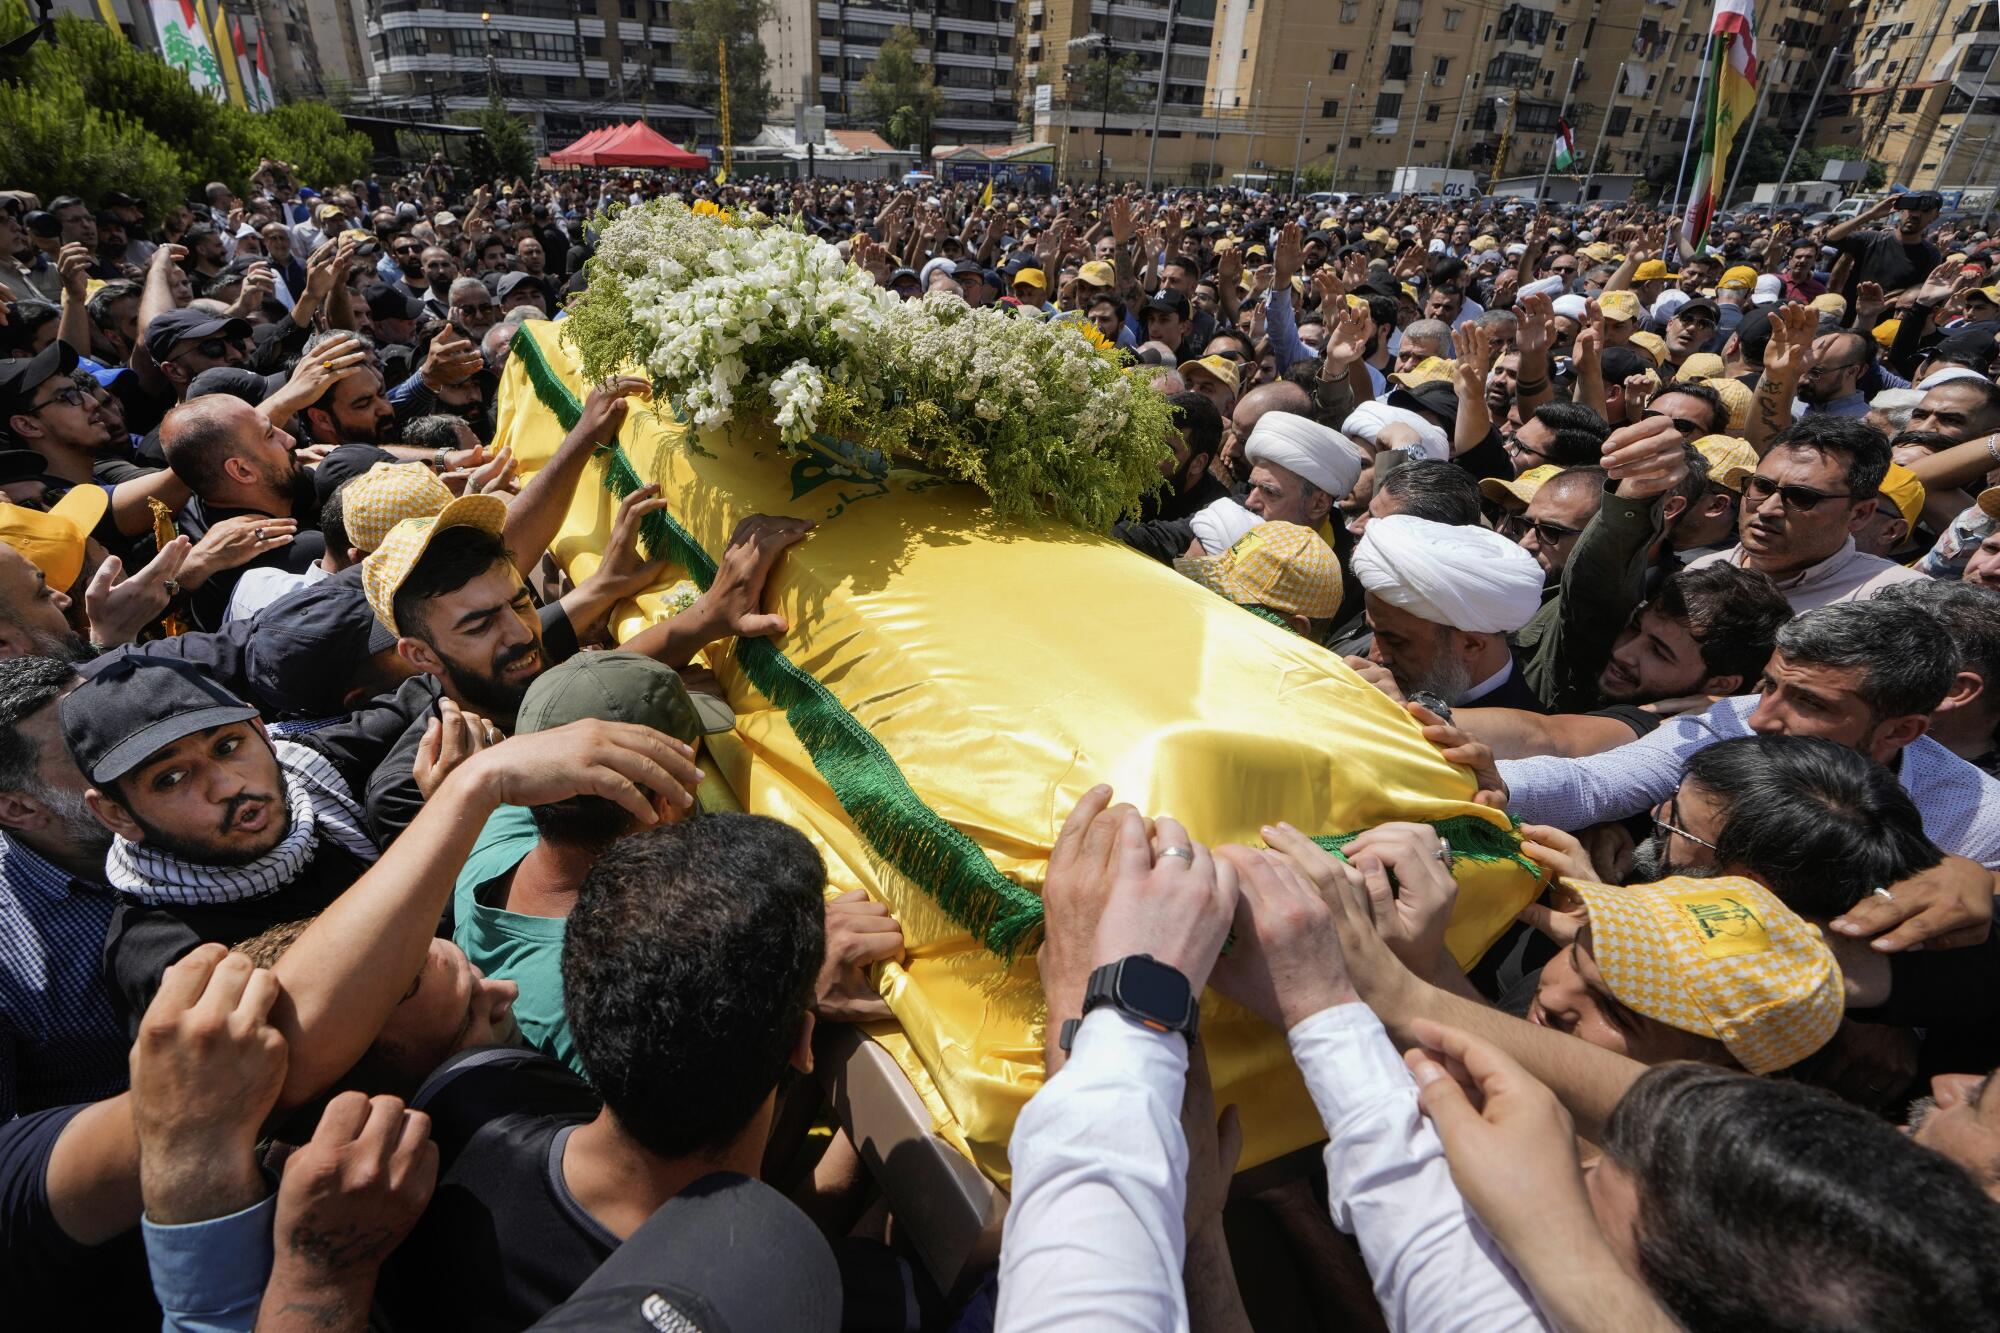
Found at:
<point>1447,677</point>
<point>71,815</point>
<point>487,691</point>
<point>200,850</point>
<point>70,647</point>
<point>1650,863</point>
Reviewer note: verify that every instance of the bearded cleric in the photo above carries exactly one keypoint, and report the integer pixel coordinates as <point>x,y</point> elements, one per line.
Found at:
<point>219,830</point>
<point>1441,600</point>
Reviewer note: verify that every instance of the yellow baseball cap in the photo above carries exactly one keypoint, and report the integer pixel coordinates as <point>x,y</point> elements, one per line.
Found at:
<point>1424,372</point>
<point>1513,495</point>
<point>1654,270</point>
<point>373,503</point>
<point>1991,294</point>
<point>53,540</point>
<point>1721,958</point>
<point>1829,303</point>
<point>1653,345</point>
<point>1597,251</point>
<point>1735,396</point>
<point>1033,277</point>
<point>1220,367</point>
<point>383,572</point>
<point>1621,306</point>
<point>1481,244</point>
<point>1378,235</point>
<point>1885,333</point>
<point>1741,278</point>
<point>1283,566</point>
<point>1989,502</point>
<point>1901,488</point>
<point>1701,366</point>
<point>1096,273</point>
<point>1729,459</point>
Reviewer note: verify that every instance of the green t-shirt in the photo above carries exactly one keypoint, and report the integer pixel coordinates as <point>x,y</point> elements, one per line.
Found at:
<point>526,950</point>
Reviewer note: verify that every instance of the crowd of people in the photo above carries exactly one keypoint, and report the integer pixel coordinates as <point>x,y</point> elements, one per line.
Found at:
<point>374,953</point>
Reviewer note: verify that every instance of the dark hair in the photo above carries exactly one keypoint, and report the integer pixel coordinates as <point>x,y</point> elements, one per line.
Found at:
<point>1198,420</point>
<point>333,524</point>
<point>1865,448</point>
<point>439,430</point>
<point>1428,488</point>
<point>1734,615</point>
<point>27,685</point>
<point>60,202</point>
<point>1718,412</point>
<point>1763,1203</point>
<point>1691,487</point>
<point>687,964</point>
<point>454,558</point>
<point>1820,824</point>
<point>1560,416</point>
<point>105,297</point>
<point>1753,335</point>
<point>1907,658</point>
<point>1180,261</point>
<point>1969,612</point>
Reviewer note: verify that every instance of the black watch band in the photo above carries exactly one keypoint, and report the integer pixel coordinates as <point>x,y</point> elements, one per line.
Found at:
<point>1144,990</point>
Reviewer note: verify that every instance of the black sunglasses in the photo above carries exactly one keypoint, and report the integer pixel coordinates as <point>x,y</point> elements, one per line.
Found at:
<point>1681,424</point>
<point>212,348</point>
<point>1802,498</point>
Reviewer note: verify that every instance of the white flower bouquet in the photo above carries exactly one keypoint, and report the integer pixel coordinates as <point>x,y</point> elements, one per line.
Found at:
<point>730,319</point>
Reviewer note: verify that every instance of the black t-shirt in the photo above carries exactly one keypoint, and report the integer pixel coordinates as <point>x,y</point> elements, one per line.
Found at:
<point>1642,722</point>
<point>1881,257</point>
<point>503,1240</point>
<point>51,1281</point>
<point>210,602</point>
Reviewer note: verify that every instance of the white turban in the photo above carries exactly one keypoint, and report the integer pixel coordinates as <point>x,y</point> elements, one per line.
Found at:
<point>1470,578</point>
<point>936,265</point>
<point>1219,525</point>
<point>1572,306</point>
<point>1945,375</point>
<point>1366,422</point>
<point>1550,287</point>
<point>1320,454</point>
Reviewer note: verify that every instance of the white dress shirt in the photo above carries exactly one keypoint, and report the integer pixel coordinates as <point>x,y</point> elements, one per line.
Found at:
<point>1960,805</point>
<point>1094,1235</point>
<point>1435,1267</point>
<point>1848,575</point>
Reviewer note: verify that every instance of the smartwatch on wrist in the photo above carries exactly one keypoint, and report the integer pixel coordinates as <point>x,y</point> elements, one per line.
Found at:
<point>1144,990</point>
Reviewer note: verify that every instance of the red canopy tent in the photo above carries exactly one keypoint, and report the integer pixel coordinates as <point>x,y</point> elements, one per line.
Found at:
<point>639,145</point>
<point>577,153</point>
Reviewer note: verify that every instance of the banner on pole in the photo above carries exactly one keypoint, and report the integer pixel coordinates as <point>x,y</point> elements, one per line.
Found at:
<point>1728,98</point>
<point>184,44</point>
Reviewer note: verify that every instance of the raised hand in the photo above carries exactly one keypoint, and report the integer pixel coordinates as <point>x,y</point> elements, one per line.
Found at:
<point>1646,459</point>
<point>1789,354</point>
<point>1535,318</point>
<point>1286,251</point>
<point>118,608</point>
<point>452,359</point>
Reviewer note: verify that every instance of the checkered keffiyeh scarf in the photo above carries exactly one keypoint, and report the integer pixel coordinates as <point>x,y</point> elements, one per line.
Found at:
<point>321,806</point>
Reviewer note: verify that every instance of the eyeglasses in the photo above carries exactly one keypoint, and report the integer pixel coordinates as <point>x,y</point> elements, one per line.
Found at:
<point>1681,424</point>
<point>1670,826</point>
<point>212,348</point>
<point>1819,370</point>
<point>73,396</point>
<point>486,311</point>
<point>406,249</point>
<point>1802,498</point>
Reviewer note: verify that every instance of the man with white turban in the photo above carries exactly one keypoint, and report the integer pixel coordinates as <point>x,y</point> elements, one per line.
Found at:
<point>1441,600</point>
<point>1299,469</point>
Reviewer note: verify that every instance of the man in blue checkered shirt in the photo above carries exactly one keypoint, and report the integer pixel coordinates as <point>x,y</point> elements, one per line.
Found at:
<point>61,1040</point>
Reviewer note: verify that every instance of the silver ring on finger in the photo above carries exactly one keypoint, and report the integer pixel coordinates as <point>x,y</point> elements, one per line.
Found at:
<point>1883,894</point>
<point>1443,852</point>
<point>257,533</point>
<point>1178,853</point>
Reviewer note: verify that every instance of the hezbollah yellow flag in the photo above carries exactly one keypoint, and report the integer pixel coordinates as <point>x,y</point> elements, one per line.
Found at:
<point>986,195</point>
<point>109,13</point>
<point>948,689</point>
<point>225,53</point>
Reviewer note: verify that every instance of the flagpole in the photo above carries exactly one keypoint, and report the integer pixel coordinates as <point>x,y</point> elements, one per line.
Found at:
<point>1938,182</point>
<point>1603,131</point>
<point>1812,107</point>
<point>1749,136</point>
<point>1694,121</point>
<point>1562,118</point>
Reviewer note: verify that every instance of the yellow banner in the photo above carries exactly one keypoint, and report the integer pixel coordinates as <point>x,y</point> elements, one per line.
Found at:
<point>1004,671</point>
<point>225,53</point>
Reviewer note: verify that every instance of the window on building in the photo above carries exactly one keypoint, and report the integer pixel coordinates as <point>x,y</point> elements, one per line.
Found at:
<point>1353,141</point>
<point>1329,109</point>
<point>1561,37</point>
<point>1620,117</point>
<point>1441,67</point>
<point>1912,99</point>
<point>1388,106</point>
<point>1452,18</point>
<point>1398,66</point>
<point>1409,14</point>
<point>1680,84</point>
<point>1338,62</point>
<point>1431,112</point>
<point>1349,10</point>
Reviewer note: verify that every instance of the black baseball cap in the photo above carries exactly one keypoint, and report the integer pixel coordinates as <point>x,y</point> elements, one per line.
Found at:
<point>966,268</point>
<point>1700,305</point>
<point>343,465</point>
<point>298,644</point>
<point>21,465</point>
<point>235,381</point>
<point>1434,396</point>
<point>131,707</point>
<point>512,282</point>
<point>728,1254</point>
<point>1921,201</point>
<point>1169,301</point>
<point>1621,363</point>
<point>120,199</point>
<point>177,325</point>
<point>20,376</point>
<point>386,302</point>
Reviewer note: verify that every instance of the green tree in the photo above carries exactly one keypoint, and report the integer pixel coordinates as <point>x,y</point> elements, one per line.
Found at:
<point>1126,88</point>
<point>57,141</point>
<point>900,94</point>
<point>708,25</point>
<point>502,150</point>
<point>314,139</point>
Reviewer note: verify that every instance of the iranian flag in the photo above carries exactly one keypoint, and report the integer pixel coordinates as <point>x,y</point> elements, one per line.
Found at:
<point>1565,150</point>
<point>184,44</point>
<point>1729,94</point>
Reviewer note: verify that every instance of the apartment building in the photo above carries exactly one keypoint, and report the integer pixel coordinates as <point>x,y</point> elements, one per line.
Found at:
<point>566,67</point>
<point>819,51</point>
<point>1906,96</point>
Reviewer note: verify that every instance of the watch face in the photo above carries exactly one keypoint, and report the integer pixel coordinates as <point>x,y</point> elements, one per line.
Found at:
<point>1153,990</point>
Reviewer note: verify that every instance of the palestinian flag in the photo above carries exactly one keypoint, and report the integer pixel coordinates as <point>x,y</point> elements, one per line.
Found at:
<point>1565,147</point>
<point>1728,96</point>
